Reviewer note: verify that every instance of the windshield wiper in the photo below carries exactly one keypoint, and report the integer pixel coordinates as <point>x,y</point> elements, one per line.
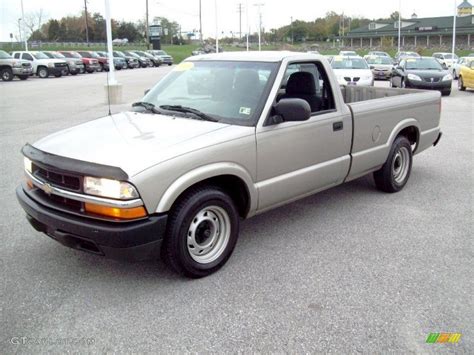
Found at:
<point>147,106</point>
<point>184,109</point>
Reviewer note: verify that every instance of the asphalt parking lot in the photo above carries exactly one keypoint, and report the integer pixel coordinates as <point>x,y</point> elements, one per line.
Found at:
<point>348,270</point>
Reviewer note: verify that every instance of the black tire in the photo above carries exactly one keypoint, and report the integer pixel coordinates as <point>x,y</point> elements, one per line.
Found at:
<point>446,92</point>
<point>170,64</point>
<point>23,77</point>
<point>461,86</point>
<point>58,75</point>
<point>386,178</point>
<point>73,72</point>
<point>6,74</point>
<point>43,72</point>
<point>178,245</point>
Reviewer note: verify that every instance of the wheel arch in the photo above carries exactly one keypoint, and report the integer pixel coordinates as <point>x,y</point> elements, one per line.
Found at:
<point>409,128</point>
<point>231,177</point>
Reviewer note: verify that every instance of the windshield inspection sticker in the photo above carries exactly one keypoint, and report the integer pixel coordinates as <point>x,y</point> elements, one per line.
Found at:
<point>245,111</point>
<point>184,66</point>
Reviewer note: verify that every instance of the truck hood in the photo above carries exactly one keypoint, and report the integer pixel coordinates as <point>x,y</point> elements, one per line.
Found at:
<point>136,141</point>
<point>50,60</point>
<point>353,72</point>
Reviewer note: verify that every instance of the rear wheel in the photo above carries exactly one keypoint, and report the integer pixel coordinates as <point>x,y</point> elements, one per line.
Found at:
<point>23,77</point>
<point>202,232</point>
<point>394,174</point>
<point>58,75</point>
<point>461,84</point>
<point>43,72</point>
<point>6,74</point>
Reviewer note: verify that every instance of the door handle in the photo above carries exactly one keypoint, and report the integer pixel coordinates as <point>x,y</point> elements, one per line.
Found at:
<point>337,126</point>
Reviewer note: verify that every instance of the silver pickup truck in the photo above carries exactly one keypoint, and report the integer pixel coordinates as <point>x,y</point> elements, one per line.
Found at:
<point>221,138</point>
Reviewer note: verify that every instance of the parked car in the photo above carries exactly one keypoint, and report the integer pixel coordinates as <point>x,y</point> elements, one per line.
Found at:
<point>120,41</point>
<point>119,63</point>
<point>404,55</point>
<point>446,59</point>
<point>422,73</point>
<point>381,67</point>
<point>91,64</point>
<point>74,65</point>
<point>132,62</point>
<point>103,61</point>
<point>379,54</point>
<point>10,67</point>
<point>42,65</point>
<point>144,62</point>
<point>176,174</point>
<point>466,76</point>
<point>313,52</point>
<point>154,60</point>
<point>348,53</point>
<point>165,57</point>
<point>456,68</point>
<point>352,71</point>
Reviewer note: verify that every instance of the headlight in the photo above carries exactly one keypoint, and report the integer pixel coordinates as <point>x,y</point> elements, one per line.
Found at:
<point>72,64</point>
<point>109,188</point>
<point>414,77</point>
<point>51,65</point>
<point>17,65</point>
<point>28,165</point>
<point>447,77</point>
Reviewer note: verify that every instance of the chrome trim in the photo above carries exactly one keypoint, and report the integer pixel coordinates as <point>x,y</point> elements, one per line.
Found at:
<point>81,197</point>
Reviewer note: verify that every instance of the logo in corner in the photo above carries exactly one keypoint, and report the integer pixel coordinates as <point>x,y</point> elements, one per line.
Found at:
<point>443,338</point>
<point>48,189</point>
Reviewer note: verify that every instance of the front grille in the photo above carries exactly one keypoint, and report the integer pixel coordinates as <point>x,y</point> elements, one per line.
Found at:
<point>26,65</point>
<point>432,80</point>
<point>59,179</point>
<point>60,65</point>
<point>356,79</point>
<point>346,78</point>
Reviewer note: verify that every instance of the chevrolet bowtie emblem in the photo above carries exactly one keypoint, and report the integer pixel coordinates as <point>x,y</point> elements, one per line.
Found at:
<point>48,189</point>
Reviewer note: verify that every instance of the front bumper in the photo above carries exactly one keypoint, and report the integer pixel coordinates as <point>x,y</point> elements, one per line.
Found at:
<point>425,85</point>
<point>22,71</point>
<point>133,241</point>
<point>92,67</point>
<point>382,74</point>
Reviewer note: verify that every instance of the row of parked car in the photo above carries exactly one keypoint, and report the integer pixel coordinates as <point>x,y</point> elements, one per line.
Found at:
<point>44,64</point>
<point>406,70</point>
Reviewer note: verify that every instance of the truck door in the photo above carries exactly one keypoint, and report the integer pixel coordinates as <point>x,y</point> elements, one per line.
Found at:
<point>299,158</point>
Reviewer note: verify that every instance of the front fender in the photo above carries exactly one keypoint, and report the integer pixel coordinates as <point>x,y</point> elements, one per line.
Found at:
<point>206,172</point>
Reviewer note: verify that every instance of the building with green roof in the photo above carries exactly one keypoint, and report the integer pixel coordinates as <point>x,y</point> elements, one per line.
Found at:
<point>430,32</point>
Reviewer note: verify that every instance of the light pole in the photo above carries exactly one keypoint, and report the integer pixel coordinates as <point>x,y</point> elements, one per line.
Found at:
<point>146,26</point>
<point>292,37</point>
<point>454,31</point>
<point>259,6</point>
<point>399,23</point>
<point>248,25</point>
<point>217,27</point>
<point>200,22</point>
<point>113,90</point>
<point>23,26</point>
<point>19,30</point>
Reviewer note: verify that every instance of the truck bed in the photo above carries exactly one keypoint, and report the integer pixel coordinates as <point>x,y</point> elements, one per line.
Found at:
<point>379,112</point>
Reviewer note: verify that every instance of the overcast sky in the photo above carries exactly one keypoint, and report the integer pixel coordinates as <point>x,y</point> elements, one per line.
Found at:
<point>275,13</point>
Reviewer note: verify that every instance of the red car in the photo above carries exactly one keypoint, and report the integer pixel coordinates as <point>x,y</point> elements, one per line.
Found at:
<point>91,64</point>
<point>103,62</point>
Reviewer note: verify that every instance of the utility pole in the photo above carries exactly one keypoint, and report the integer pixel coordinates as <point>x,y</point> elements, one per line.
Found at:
<point>248,25</point>
<point>217,27</point>
<point>87,24</point>
<point>259,6</point>
<point>342,38</point>
<point>454,30</point>
<point>147,40</point>
<point>200,22</point>
<point>23,26</point>
<point>19,30</point>
<point>239,9</point>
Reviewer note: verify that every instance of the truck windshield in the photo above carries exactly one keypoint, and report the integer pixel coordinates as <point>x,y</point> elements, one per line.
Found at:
<point>4,55</point>
<point>231,91</point>
<point>39,55</point>
<point>423,64</point>
<point>349,63</point>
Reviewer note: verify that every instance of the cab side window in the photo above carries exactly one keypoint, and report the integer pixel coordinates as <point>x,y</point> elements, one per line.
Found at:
<point>17,56</point>
<point>27,56</point>
<point>309,82</point>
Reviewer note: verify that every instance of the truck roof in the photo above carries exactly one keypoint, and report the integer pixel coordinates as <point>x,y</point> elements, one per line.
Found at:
<point>255,56</point>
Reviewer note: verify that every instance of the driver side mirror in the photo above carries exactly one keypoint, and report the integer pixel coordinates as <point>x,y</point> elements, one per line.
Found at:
<point>146,91</point>
<point>291,110</point>
<point>444,66</point>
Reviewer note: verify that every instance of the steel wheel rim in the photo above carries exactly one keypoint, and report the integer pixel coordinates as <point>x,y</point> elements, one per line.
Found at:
<point>5,75</point>
<point>400,165</point>
<point>208,234</point>
<point>42,73</point>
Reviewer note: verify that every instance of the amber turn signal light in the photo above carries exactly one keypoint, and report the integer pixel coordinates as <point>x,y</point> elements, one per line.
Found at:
<point>114,212</point>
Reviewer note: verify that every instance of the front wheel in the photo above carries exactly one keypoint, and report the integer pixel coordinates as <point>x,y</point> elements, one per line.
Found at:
<point>202,232</point>
<point>461,84</point>
<point>43,72</point>
<point>23,77</point>
<point>7,74</point>
<point>394,174</point>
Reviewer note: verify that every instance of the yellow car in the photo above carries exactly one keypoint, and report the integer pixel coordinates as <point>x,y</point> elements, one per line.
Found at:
<point>466,76</point>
